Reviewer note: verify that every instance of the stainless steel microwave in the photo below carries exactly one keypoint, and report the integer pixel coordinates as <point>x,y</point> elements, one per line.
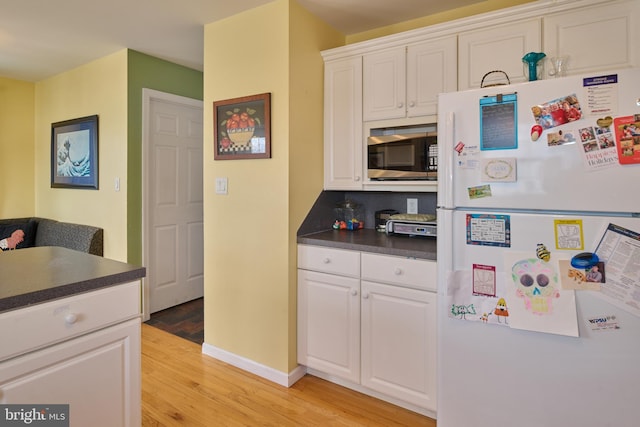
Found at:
<point>403,157</point>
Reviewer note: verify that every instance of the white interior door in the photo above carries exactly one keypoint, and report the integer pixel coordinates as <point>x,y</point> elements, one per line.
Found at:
<point>173,228</point>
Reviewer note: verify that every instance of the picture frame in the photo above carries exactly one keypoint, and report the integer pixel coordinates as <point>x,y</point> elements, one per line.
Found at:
<point>74,153</point>
<point>242,128</point>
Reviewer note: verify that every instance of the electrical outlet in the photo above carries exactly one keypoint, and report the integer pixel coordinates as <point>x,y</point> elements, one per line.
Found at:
<point>412,206</point>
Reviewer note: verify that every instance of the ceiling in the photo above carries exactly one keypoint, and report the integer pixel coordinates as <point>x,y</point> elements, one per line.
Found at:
<point>41,38</point>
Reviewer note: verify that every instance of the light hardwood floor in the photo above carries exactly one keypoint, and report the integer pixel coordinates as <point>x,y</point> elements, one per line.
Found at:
<point>183,387</point>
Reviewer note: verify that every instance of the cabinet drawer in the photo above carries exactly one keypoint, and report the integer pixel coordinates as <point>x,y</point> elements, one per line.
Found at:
<point>329,260</point>
<point>40,325</point>
<point>410,272</point>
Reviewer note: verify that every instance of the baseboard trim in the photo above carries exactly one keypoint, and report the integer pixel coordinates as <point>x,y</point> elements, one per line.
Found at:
<point>266,372</point>
<point>364,390</point>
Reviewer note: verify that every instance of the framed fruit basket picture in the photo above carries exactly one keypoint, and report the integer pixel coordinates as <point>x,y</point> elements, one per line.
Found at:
<point>242,128</point>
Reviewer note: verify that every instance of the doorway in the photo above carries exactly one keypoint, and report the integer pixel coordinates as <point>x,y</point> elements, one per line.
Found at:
<point>172,207</point>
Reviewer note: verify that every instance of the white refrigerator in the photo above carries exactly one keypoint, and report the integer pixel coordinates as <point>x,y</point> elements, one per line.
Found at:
<point>531,175</point>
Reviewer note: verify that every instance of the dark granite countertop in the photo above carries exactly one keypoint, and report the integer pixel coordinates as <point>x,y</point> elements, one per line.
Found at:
<point>40,274</point>
<point>368,240</point>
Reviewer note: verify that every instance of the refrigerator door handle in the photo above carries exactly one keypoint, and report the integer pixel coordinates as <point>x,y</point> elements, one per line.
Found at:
<point>445,160</point>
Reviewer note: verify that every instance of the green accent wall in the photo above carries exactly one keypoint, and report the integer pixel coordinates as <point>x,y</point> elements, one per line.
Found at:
<point>144,71</point>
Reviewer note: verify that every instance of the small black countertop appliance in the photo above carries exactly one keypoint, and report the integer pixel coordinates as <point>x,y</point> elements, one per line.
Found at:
<point>381,218</point>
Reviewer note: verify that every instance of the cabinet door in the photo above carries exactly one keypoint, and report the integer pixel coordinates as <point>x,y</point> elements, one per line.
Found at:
<point>343,145</point>
<point>97,374</point>
<point>329,324</point>
<point>431,70</point>
<point>384,84</point>
<point>496,48</point>
<point>595,38</point>
<point>399,342</point>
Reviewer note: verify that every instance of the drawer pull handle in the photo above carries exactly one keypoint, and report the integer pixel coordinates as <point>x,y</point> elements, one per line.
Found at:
<point>71,318</point>
<point>326,260</point>
<point>354,292</point>
<point>365,295</point>
<point>397,271</point>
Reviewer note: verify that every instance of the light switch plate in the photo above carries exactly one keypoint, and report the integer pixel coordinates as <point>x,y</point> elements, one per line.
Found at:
<point>221,185</point>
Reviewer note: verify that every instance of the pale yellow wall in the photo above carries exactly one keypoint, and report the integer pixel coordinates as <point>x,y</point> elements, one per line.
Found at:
<point>99,87</point>
<point>308,36</point>
<point>246,231</point>
<point>437,18</point>
<point>17,101</point>
<point>250,260</point>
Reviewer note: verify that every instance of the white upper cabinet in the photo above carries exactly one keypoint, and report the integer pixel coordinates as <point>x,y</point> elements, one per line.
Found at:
<point>384,84</point>
<point>343,145</point>
<point>432,68</point>
<point>499,47</point>
<point>600,37</point>
<point>395,80</point>
<point>405,81</point>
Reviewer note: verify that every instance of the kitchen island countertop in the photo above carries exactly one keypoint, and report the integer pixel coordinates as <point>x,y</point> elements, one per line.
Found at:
<point>40,274</point>
<point>368,240</point>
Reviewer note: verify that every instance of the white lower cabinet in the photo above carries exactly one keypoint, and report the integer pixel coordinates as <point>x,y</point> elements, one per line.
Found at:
<point>87,355</point>
<point>369,320</point>
<point>398,342</point>
<point>329,323</point>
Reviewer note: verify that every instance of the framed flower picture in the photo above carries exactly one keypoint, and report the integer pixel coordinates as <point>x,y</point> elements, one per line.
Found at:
<point>242,128</point>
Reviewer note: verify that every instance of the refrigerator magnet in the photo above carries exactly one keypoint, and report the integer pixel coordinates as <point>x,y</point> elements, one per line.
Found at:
<point>584,260</point>
<point>604,323</point>
<point>542,252</point>
<point>561,137</point>
<point>499,170</point>
<point>627,131</point>
<point>557,112</point>
<point>479,191</point>
<point>499,122</point>
<point>580,279</point>
<point>569,234</point>
<point>536,131</point>
<point>489,230</point>
<point>484,280</point>
<point>598,148</point>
